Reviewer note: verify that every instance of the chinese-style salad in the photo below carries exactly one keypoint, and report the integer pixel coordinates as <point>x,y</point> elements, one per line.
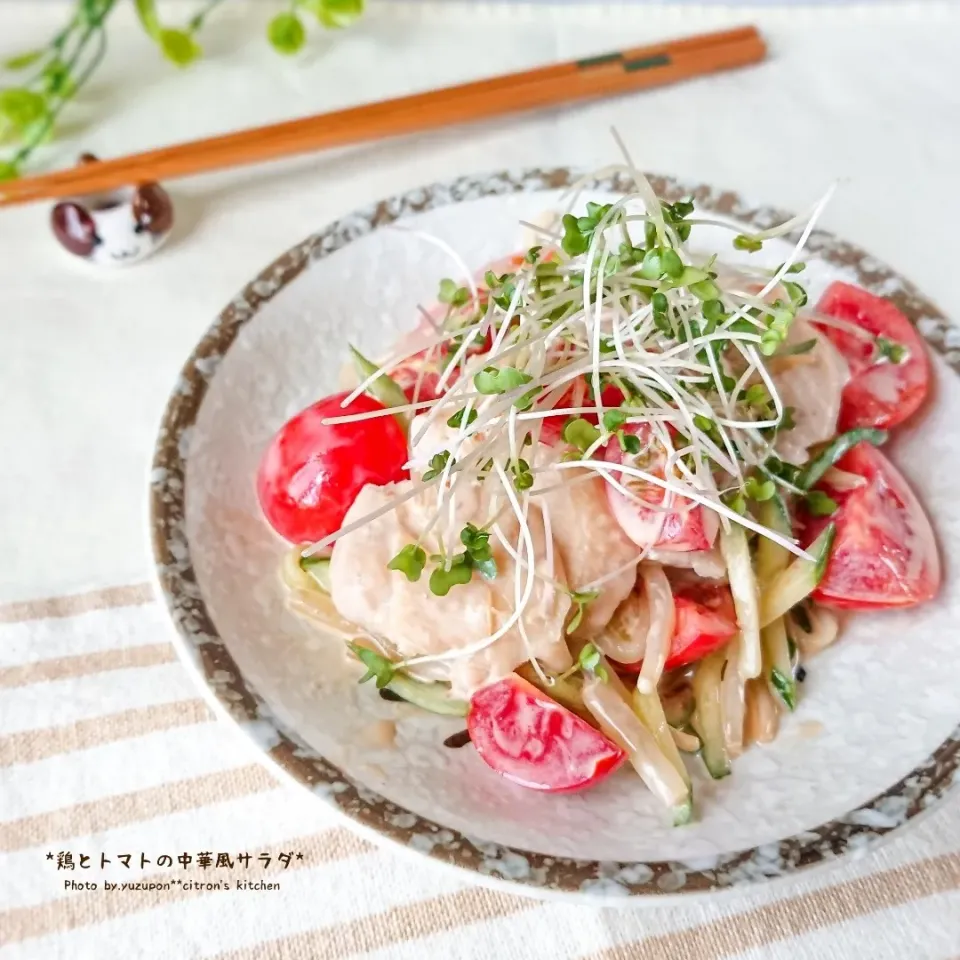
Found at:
<point>606,499</point>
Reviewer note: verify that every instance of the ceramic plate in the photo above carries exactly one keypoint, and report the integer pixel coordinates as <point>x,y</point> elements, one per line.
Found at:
<point>873,742</point>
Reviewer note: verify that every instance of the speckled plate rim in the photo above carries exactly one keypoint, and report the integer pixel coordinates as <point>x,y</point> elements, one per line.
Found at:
<point>495,864</point>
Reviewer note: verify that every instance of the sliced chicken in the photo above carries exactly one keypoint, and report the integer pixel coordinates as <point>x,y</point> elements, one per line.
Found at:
<point>411,621</point>
<point>811,383</point>
<point>590,543</point>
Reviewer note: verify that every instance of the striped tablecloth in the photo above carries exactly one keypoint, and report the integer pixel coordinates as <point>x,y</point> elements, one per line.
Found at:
<point>112,769</point>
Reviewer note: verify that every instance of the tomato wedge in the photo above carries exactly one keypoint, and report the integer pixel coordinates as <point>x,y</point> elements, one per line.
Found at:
<point>705,621</point>
<point>884,552</point>
<point>689,527</point>
<point>880,392</point>
<point>311,473</point>
<point>533,741</point>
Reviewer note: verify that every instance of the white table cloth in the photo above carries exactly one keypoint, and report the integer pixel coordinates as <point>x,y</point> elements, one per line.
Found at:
<point>105,747</point>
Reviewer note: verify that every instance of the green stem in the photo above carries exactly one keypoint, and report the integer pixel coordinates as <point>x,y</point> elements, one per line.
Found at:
<point>198,20</point>
<point>94,29</point>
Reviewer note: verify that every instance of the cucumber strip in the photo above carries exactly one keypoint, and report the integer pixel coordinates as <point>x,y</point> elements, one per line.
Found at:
<point>610,703</point>
<point>319,569</point>
<point>434,697</point>
<point>678,706</point>
<point>384,388</point>
<point>707,719</point>
<point>648,707</point>
<point>777,666</point>
<point>840,445</point>
<point>650,710</point>
<point>798,580</point>
<point>743,586</point>
<point>771,556</point>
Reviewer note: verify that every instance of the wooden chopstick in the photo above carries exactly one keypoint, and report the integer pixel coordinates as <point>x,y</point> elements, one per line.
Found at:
<point>615,73</point>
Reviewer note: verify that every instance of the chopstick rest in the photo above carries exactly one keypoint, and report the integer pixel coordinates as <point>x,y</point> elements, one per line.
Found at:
<point>116,228</point>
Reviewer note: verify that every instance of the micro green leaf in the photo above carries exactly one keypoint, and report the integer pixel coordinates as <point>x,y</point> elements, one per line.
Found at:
<point>785,687</point>
<point>494,380</point>
<point>410,561</point>
<point>672,264</point>
<point>574,242</point>
<point>744,242</point>
<point>443,580</point>
<point>629,442</point>
<point>759,490</point>
<point>452,294</point>
<point>437,464</point>
<point>891,350</point>
<point>613,420</point>
<point>580,433</point>
<point>590,660</point>
<point>378,666</point>
<point>456,420</point>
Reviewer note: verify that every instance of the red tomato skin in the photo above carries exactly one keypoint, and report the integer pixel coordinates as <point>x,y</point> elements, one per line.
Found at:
<point>578,395</point>
<point>705,620</point>
<point>682,530</point>
<point>534,742</point>
<point>884,552</point>
<point>877,395</point>
<point>311,473</point>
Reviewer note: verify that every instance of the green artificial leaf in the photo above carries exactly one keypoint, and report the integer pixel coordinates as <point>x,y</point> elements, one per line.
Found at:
<point>21,107</point>
<point>495,380</point>
<point>57,81</point>
<point>23,60</point>
<point>336,14</point>
<point>410,561</point>
<point>378,667</point>
<point>148,16</point>
<point>179,47</point>
<point>286,33</point>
